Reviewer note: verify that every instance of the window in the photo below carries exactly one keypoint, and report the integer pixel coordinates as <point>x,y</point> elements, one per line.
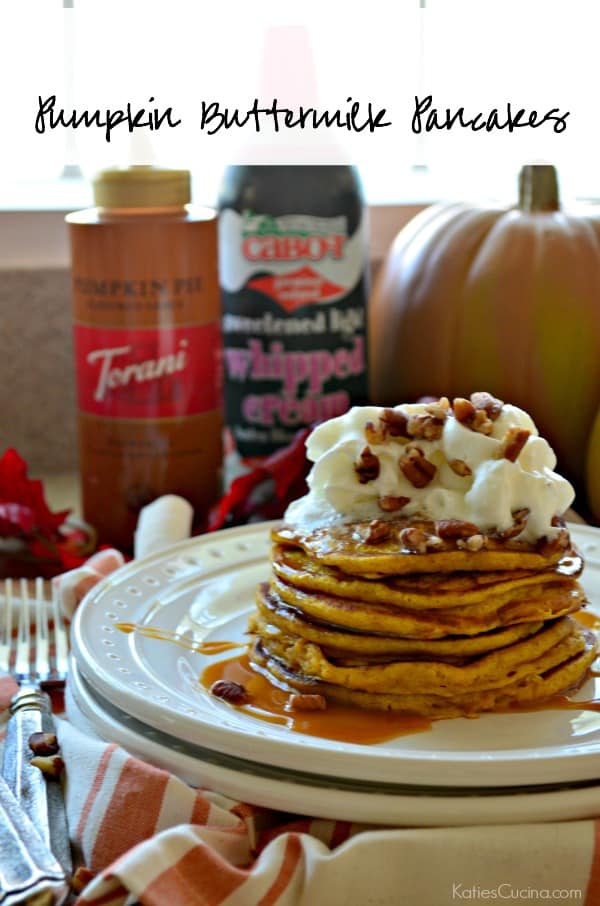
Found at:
<point>477,55</point>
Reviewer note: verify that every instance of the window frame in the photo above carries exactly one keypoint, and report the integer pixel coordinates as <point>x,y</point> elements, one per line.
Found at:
<point>38,239</point>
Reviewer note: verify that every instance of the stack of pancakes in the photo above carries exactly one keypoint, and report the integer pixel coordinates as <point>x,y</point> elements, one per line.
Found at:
<point>366,613</point>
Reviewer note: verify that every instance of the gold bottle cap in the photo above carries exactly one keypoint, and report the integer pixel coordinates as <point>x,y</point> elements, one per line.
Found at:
<point>141,187</point>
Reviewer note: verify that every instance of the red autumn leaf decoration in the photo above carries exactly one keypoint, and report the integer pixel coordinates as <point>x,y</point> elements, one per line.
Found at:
<point>46,543</point>
<point>265,491</point>
<point>23,508</point>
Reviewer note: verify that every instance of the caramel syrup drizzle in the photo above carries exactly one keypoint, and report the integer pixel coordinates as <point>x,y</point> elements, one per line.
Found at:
<point>270,703</point>
<point>345,723</point>
<point>164,635</point>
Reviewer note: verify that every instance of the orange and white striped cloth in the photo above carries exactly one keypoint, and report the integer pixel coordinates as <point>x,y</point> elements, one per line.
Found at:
<point>150,838</point>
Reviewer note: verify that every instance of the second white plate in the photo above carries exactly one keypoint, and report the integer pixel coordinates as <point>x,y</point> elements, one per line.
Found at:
<point>205,586</point>
<point>322,796</point>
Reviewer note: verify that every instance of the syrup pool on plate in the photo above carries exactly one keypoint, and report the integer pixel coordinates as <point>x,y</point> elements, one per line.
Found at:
<point>341,722</point>
<point>344,723</point>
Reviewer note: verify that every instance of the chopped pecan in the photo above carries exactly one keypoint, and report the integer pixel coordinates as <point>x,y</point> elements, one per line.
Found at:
<point>439,408</point>
<point>471,417</point>
<point>375,434</point>
<point>50,765</point>
<point>449,529</point>
<point>43,743</point>
<point>414,540</point>
<point>395,422</point>
<point>377,532</point>
<point>417,541</point>
<point>81,879</point>
<point>481,423</point>
<point>487,402</point>
<point>228,691</point>
<point>460,467</point>
<point>519,523</point>
<point>416,468</point>
<point>464,410</point>
<point>547,547</point>
<point>425,427</point>
<point>392,504</point>
<point>472,543</point>
<point>367,466</point>
<point>299,701</point>
<point>513,442</point>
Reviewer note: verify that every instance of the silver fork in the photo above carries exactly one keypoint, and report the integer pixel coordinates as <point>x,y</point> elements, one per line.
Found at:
<point>16,651</point>
<point>34,658</point>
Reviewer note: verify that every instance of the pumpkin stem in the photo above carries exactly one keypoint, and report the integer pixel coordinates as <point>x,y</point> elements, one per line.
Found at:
<point>538,188</point>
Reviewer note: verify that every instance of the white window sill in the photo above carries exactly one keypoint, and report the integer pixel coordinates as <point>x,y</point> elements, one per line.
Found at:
<point>33,233</point>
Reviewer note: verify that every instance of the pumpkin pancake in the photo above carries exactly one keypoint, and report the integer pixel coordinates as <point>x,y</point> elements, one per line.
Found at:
<point>426,624</point>
<point>276,619</point>
<point>530,691</point>
<point>343,545</point>
<point>424,591</point>
<point>557,641</point>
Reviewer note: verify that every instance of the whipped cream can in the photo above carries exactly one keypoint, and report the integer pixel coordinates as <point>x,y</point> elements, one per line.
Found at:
<point>293,269</point>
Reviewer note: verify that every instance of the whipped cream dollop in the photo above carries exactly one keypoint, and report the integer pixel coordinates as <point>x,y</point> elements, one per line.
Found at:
<point>492,490</point>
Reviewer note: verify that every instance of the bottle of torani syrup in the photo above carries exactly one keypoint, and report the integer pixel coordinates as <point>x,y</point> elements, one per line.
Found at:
<point>147,340</point>
<point>293,271</point>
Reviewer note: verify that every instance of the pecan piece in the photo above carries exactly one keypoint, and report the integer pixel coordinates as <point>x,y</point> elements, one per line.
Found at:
<point>519,523</point>
<point>375,434</point>
<point>439,408</point>
<point>490,404</point>
<point>464,410</point>
<point>481,423</point>
<point>513,442</point>
<point>476,419</point>
<point>367,466</point>
<point>473,543</point>
<point>417,541</point>
<point>449,529</point>
<point>414,540</point>
<point>395,422</point>
<point>416,468</point>
<point>547,547</point>
<point>300,701</point>
<point>460,467</point>
<point>43,743</point>
<point>377,532</point>
<point>425,427</point>
<point>50,765</point>
<point>228,691</point>
<point>81,879</point>
<point>392,504</point>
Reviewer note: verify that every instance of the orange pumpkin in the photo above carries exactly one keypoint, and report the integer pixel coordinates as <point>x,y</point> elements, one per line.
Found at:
<point>593,469</point>
<point>503,300</point>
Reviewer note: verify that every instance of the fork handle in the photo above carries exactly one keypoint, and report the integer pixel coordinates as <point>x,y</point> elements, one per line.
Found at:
<point>41,800</point>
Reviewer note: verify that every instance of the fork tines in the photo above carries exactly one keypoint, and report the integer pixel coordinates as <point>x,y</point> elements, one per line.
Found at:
<point>36,648</point>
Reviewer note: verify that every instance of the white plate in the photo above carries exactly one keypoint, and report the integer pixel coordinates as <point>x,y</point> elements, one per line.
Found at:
<point>320,796</point>
<point>206,585</point>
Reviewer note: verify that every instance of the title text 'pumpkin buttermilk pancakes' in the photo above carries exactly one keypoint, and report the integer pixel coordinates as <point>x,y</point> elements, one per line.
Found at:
<point>428,570</point>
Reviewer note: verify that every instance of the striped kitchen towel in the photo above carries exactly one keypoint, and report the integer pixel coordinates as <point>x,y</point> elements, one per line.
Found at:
<point>145,836</point>
<point>145,833</point>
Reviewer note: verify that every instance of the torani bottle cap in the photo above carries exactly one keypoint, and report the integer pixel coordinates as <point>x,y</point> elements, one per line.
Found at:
<point>141,187</point>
